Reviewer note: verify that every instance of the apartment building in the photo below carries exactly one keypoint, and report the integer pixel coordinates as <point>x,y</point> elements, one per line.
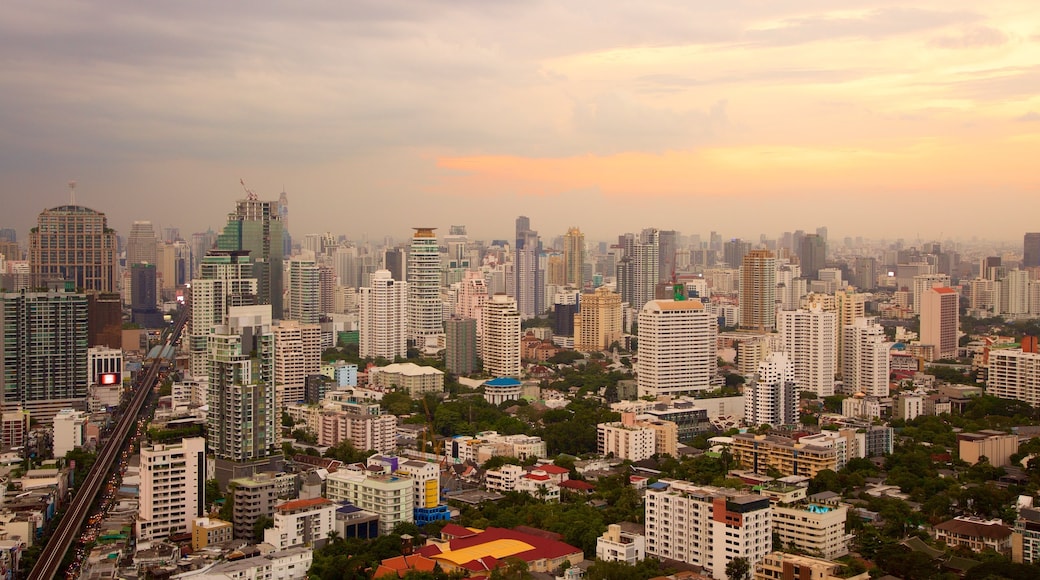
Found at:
<point>172,488</point>
<point>391,497</point>
<point>760,452</point>
<point>302,523</point>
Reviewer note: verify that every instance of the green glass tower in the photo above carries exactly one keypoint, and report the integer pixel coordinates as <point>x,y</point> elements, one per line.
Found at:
<point>255,226</point>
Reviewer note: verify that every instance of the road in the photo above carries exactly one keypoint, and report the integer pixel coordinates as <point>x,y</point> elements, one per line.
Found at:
<point>67,530</point>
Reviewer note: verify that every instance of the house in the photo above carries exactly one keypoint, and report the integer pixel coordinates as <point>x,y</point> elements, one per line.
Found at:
<point>975,534</point>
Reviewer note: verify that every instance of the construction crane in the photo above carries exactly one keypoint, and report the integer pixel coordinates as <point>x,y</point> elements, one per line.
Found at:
<point>249,192</point>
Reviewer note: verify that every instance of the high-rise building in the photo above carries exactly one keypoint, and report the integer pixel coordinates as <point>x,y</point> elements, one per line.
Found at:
<point>144,303</point>
<point>383,317</point>
<point>72,242</point>
<point>141,244</point>
<point>866,365</point>
<point>940,320</point>
<point>425,307</point>
<point>865,277</point>
<point>394,260</point>
<point>849,305</point>
<point>637,271</point>
<point>242,425</point>
<point>598,323</point>
<point>734,252</point>
<point>460,345</point>
<point>810,341</point>
<point>173,488</point>
<point>1031,250</point>
<point>1015,374</point>
<point>707,526</point>
<point>304,292</point>
<point>297,355</point>
<point>923,282</point>
<point>668,247</point>
<point>677,349</point>
<point>771,398</point>
<point>326,290</point>
<point>226,280</point>
<point>574,257</point>
<point>812,255</point>
<point>173,265</point>
<point>43,351</point>
<point>757,300</point>
<point>255,226</point>
<point>528,274</point>
<point>500,344</point>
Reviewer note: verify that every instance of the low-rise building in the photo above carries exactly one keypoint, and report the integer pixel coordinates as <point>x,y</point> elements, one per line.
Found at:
<point>761,452</point>
<point>302,523</point>
<point>616,545</point>
<point>783,566</point>
<point>487,444</point>
<point>1025,542</point>
<point>975,534</point>
<point>996,446</point>
<point>408,377</point>
<point>391,497</point>
<point>210,531</point>
<point>257,496</point>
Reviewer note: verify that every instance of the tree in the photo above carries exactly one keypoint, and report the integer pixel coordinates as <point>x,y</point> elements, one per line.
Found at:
<point>212,491</point>
<point>738,569</point>
<point>261,524</point>
<point>287,421</point>
<point>397,403</point>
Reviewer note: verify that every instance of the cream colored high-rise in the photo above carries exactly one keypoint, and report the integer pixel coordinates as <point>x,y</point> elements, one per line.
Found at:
<point>598,323</point>
<point>574,256</point>
<point>850,305</point>
<point>810,340</point>
<point>866,365</point>
<point>677,348</point>
<point>383,317</point>
<point>940,318</point>
<point>758,290</point>
<point>500,345</point>
<point>141,244</point>
<point>297,355</point>
<point>425,307</point>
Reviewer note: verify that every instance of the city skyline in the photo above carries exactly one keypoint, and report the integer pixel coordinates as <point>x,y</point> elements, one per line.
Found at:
<point>374,117</point>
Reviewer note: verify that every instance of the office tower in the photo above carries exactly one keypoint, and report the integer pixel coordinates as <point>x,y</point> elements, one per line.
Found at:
<point>598,323</point>
<point>758,291</point>
<point>500,343</point>
<point>865,277</point>
<point>734,252</point>
<point>141,244</point>
<point>940,319</point>
<point>226,280</point>
<point>460,345</point>
<point>1031,250</point>
<point>241,422</point>
<point>637,270</point>
<point>812,255</point>
<point>425,308</point>
<point>707,526</point>
<point>201,243</point>
<point>991,268</point>
<point>304,300</point>
<point>255,226</point>
<point>528,275</point>
<point>771,397</point>
<point>143,305</point>
<point>456,260</point>
<point>43,358</point>
<point>865,367</point>
<point>283,216</point>
<point>104,319</point>
<point>677,349</point>
<point>668,246</point>
<point>394,260</point>
<point>297,355</point>
<point>810,341</point>
<point>923,282</point>
<point>574,257</point>
<point>383,317</point>
<point>173,488</point>
<point>72,242</point>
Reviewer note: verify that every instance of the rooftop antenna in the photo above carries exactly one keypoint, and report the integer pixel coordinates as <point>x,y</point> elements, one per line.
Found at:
<point>72,193</point>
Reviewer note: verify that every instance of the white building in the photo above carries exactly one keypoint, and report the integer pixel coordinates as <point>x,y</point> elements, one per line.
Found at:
<point>488,444</point>
<point>625,439</point>
<point>303,302</point>
<point>105,366</point>
<point>923,282</point>
<point>172,488</point>
<point>425,312</point>
<point>677,348</point>
<point>302,523</point>
<point>69,431</point>
<point>707,526</point>
<point>383,317</point>
<point>500,344</point>
<point>810,338</point>
<point>616,545</point>
<point>1014,374</point>
<point>391,497</point>
<point>865,368</point>
<point>297,355</point>
<point>772,397</point>
<point>409,377</point>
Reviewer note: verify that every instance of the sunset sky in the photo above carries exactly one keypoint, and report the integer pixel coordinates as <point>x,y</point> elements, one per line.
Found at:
<point>881,119</point>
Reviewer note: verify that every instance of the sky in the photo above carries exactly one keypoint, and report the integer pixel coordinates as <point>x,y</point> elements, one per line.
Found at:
<point>873,118</point>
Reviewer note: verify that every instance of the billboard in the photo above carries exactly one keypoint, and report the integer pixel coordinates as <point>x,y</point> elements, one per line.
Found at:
<point>108,379</point>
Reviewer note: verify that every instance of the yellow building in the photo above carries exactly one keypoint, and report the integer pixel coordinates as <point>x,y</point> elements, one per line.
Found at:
<point>209,531</point>
<point>782,566</point>
<point>598,323</point>
<point>762,452</point>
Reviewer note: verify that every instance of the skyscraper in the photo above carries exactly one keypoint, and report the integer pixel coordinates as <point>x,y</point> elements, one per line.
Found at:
<point>500,345</point>
<point>141,244</point>
<point>637,271</point>
<point>72,242</point>
<point>758,291</point>
<point>574,257</point>
<point>297,355</point>
<point>425,307</point>
<point>771,398</point>
<point>226,280</point>
<point>810,341</point>
<point>812,255</point>
<point>940,319</point>
<point>529,277</point>
<point>460,345</point>
<point>43,351</point>
<point>734,252</point>
<point>241,421</point>
<point>383,317</point>
<point>304,292</point>
<point>866,365</point>
<point>668,246</point>
<point>256,227</point>
<point>1031,250</point>
<point>677,349</point>
<point>598,323</point>
<point>144,304</point>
